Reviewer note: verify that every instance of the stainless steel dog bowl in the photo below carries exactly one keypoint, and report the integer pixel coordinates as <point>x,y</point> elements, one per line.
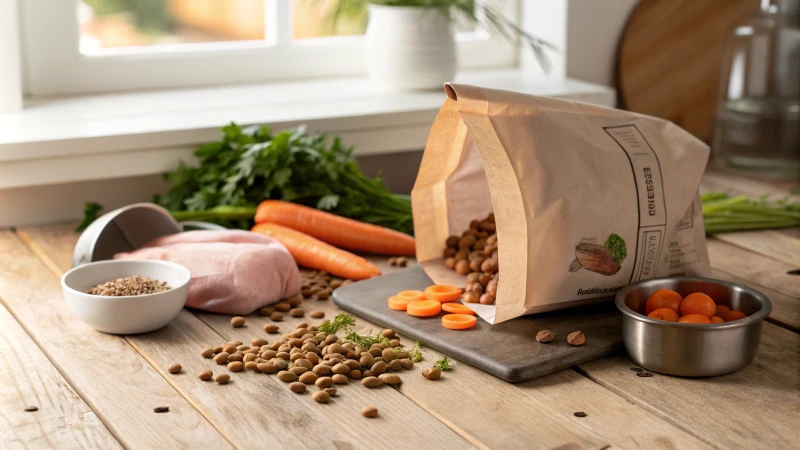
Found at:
<point>692,350</point>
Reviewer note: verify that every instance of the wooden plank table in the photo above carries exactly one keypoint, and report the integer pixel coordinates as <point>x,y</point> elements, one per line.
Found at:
<point>98,390</point>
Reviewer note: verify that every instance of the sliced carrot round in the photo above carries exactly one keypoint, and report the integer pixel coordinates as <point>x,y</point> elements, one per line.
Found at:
<point>424,308</point>
<point>457,308</point>
<point>414,296</point>
<point>398,304</point>
<point>442,293</point>
<point>459,321</point>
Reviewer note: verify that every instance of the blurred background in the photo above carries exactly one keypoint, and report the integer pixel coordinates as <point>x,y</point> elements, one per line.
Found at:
<point>135,23</point>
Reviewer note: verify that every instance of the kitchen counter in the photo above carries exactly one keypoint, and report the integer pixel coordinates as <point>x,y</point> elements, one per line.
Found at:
<point>99,390</point>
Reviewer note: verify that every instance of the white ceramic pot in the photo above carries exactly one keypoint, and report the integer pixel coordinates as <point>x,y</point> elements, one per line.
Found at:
<point>409,48</point>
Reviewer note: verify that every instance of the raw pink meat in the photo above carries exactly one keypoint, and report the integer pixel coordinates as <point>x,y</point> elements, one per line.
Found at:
<point>233,272</point>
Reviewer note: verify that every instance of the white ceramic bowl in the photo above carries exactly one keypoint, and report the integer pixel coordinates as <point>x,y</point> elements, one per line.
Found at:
<point>130,314</point>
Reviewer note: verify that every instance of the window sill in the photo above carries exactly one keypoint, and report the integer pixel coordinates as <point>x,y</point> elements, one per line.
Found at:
<point>60,140</point>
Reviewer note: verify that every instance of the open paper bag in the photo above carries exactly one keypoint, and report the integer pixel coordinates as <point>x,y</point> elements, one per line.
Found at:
<point>586,199</point>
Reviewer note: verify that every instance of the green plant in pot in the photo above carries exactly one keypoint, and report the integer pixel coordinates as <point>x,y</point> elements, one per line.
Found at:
<point>410,44</point>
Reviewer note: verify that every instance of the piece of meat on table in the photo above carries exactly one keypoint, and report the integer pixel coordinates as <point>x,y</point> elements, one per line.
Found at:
<point>233,272</point>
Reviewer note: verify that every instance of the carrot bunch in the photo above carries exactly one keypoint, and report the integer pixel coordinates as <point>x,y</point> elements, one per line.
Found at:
<point>312,237</point>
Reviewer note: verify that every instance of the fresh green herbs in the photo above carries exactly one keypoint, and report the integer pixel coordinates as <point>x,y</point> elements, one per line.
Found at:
<point>252,164</point>
<point>367,340</point>
<point>723,213</point>
<point>616,246</point>
<point>91,211</point>
<point>342,321</point>
<point>249,165</point>
<point>443,364</point>
<point>414,352</point>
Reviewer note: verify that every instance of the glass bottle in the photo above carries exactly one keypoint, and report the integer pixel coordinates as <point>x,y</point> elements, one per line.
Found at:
<point>758,110</point>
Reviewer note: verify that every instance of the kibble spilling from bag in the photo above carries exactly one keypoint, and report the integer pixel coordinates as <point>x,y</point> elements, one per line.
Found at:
<point>585,200</point>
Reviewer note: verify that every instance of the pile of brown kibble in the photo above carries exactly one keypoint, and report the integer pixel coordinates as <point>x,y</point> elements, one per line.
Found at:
<point>315,285</point>
<point>127,286</point>
<point>474,254</point>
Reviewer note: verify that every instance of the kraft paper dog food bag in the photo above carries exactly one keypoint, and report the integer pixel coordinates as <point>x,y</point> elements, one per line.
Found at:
<point>586,199</point>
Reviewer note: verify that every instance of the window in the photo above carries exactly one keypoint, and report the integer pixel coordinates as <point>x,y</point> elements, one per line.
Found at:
<point>90,46</point>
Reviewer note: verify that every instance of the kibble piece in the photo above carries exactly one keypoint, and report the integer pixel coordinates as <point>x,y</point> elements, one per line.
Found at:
<point>207,352</point>
<point>236,366</point>
<point>387,333</point>
<point>237,321</point>
<point>330,390</point>
<point>322,370</point>
<point>297,312</point>
<point>576,338</point>
<point>266,367</point>
<point>394,343</point>
<point>229,348</point>
<point>337,348</point>
<point>379,368</point>
<point>544,336</point>
<point>297,387</point>
<point>205,375</point>
<point>408,364</point>
<point>276,316</point>
<point>282,306</point>
<point>323,295</point>
<point>390,378</point>
<point>242,348</point>
<point>339,379</point>
<point>298,370</point>
<point>324,382</point>
<point>432,373</point>
<point>266,311</point>
<point>369,411</point>
<point>236,357</point>
<point>271,328</point>
<point>341,368</point>
<point>161,409</point>
<point>222,378</point>
<point>395,365</point>
<point>294,301</point>
<point>222,357</point>
<point>308,378</point>
<point>286,376</point>
<point>316,314</point>
<point>387,354</point>
<point>258,342</point>
<point>248,357</point>
<point>354,374</point>
<point>321,397</point>
<point>402,261</point>
<point>251,365</point>
<point>371,382</point>
<point>352,364</point>
<point>175,368</point>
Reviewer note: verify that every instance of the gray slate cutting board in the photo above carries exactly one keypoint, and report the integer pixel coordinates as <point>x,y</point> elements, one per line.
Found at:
<point>507,350</point>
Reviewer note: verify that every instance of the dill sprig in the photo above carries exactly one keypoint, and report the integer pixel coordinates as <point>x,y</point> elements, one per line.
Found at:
<point>443,364</point>
<point>414,352</point>
<point>342,321</point>
<point>367,340</point>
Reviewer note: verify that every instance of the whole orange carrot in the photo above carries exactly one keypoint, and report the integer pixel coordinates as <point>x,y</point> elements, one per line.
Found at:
<point>315,254</point>
<point>336,230</point>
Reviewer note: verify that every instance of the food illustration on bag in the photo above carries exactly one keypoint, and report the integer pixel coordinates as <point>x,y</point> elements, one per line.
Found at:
<point>605,260</point>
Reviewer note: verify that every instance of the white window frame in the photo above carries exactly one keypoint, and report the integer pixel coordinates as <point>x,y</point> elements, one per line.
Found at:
<point>54,65</point>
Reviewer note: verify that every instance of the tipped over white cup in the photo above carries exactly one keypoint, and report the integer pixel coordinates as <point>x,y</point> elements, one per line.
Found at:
<point>126,314</point>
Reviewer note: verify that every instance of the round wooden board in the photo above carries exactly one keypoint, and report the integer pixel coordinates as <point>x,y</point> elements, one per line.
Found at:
<point>670,56</point>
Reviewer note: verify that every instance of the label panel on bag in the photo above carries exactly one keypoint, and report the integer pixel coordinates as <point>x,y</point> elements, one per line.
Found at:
<point>650,194</point>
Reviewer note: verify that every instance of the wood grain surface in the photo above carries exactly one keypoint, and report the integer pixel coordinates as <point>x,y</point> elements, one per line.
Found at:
<point>492,413</point>
<point>122,379</point>
<point>757,407</point>
<point>30,379</point>
<point>97,365</point>
<point>670,58</point>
